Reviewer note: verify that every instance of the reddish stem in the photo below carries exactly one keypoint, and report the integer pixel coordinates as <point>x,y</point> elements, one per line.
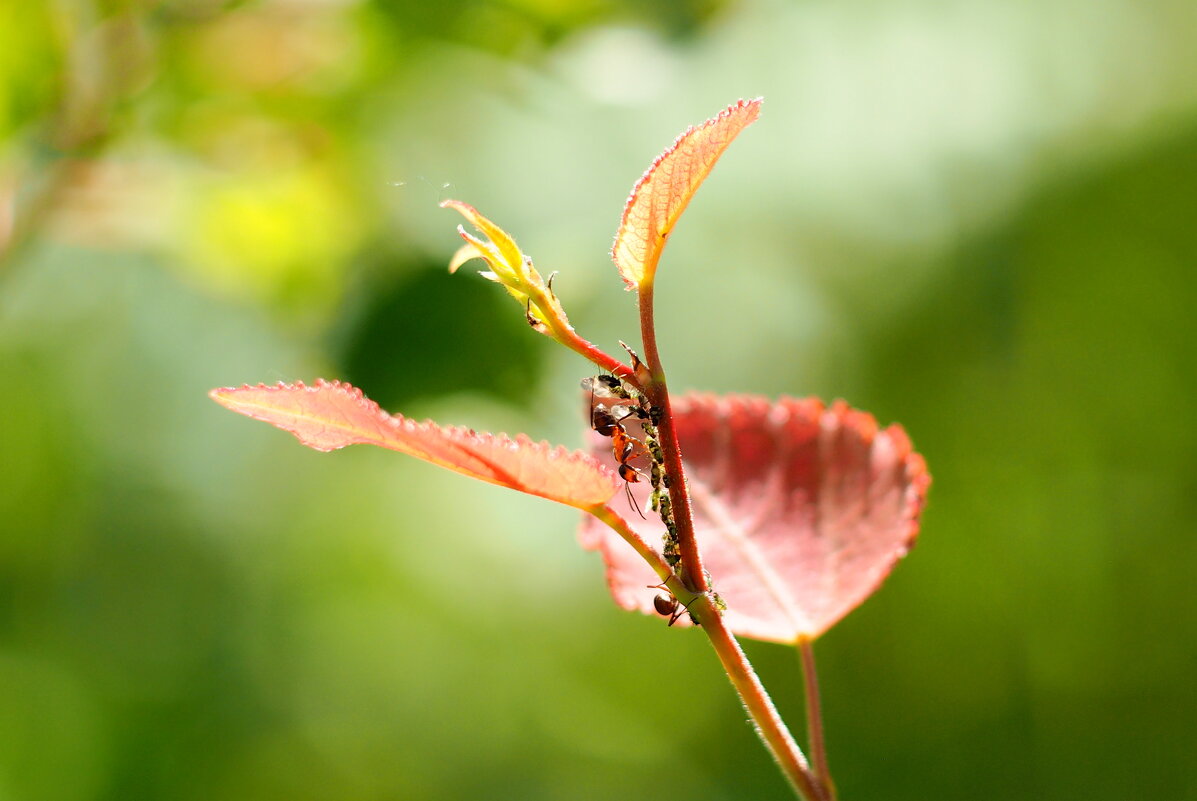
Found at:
<point>814,718</point>
<point>601,358</point>
<point>769,725</point>
<point>679,495</point>
<point>648,553</point>
<point>560,330</point>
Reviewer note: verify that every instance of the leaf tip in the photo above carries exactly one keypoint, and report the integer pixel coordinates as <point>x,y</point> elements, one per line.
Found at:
<point>664,190</point>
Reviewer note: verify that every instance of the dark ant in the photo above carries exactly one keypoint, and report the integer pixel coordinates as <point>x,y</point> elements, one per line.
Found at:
<point>627,402</point>
<point>607,423</point>
<point>606,386</point>
<point>668,606</point>
<point>607,420</point>
<point>623,448</point>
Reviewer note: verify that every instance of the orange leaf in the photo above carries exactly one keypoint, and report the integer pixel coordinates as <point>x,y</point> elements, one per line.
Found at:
<point>332,415</point>
<point>661,195</point>
<point>800,511</point>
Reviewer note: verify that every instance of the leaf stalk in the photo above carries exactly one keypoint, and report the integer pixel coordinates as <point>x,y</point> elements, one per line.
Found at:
<point>814,717</point>
<point>769,725</point>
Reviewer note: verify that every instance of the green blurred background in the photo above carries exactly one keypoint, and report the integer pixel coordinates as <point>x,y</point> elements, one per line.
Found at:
<point>976,218</point>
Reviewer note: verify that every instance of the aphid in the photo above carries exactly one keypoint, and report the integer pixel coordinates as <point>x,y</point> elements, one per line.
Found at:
<point>655,476</point>
<point>671,549</point>
<point>607,420</point>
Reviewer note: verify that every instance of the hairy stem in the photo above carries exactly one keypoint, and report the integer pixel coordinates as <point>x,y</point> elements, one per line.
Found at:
<point>648,553</point>
<point>769,725</point>
<point>558,327</point>
<point>814,717</point>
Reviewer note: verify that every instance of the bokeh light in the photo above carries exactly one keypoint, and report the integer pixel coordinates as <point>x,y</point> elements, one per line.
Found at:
<point>973,218</point>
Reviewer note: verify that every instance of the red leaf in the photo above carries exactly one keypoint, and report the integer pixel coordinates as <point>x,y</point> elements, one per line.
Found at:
<point>800,511</point>
<point>328,416</point>
<point>663,192</point>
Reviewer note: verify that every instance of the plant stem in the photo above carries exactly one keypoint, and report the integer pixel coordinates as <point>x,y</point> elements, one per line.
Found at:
<point>646,551</point>
<point>769,725</point>
<point>560,330</point>
<point>814,717</point>
<point>694,574</point>
<point>598,357</point>
<point>684,595</point>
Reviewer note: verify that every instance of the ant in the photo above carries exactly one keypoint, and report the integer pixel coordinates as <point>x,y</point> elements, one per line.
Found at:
<point>607,423</point>
<point>667,605</point>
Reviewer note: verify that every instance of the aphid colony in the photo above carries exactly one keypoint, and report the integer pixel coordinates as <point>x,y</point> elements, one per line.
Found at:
<point>612,405</point>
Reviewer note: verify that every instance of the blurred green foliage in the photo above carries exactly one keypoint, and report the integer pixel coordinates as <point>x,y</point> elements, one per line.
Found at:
<point>974,218</point>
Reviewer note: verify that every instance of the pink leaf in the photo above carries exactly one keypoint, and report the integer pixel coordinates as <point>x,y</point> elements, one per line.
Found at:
<point>800,511</point>
<point>332,415</point>
<point>663,192</point>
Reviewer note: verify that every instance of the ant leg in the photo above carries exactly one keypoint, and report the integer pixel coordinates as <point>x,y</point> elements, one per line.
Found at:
<point>627,488</point>
<point>630,476</point>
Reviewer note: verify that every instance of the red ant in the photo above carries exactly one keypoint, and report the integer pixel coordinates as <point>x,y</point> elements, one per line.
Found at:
<point>624,447</point>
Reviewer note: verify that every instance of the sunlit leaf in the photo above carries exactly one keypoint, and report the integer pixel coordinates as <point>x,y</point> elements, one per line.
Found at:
<point>800,511</point>
<point>331,415</point>
<point>513,269</point>
<point>661,195</point>
<point>498,250</point>
<point>466,252</point>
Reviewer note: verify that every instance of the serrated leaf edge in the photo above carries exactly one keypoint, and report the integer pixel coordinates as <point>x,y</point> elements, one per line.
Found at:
<point>691,131</point>
<point>456,435</point>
